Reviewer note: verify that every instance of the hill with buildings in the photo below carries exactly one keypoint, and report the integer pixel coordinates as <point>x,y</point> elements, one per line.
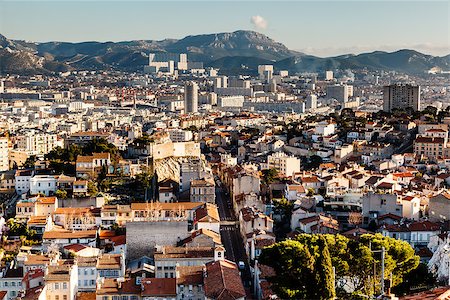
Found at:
<point>236,52</point>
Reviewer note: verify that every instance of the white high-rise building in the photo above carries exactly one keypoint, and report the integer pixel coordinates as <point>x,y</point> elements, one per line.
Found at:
<point>265,72</point>
<point>329,75</point>
<point>4,154</point>
<point>190,97</point>
<point>401,96</point>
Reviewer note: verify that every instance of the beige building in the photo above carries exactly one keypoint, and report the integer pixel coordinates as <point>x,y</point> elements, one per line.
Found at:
<point>203,190</point>
<point>431,147</point>
<point>4,153</point>
<point>284,164</point>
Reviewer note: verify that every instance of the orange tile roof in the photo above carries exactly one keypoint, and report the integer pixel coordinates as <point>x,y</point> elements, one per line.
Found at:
<point>159,287</point>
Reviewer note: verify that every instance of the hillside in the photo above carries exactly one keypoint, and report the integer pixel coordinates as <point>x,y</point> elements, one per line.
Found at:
<point>235,52</point>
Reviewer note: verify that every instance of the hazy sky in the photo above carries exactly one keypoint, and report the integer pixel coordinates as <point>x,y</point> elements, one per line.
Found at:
<point>320,28</point>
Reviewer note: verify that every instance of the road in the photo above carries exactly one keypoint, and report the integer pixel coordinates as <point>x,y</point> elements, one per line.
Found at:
<point>230,232</point>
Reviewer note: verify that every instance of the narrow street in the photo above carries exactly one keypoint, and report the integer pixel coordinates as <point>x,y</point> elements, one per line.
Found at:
<point>230,232</point>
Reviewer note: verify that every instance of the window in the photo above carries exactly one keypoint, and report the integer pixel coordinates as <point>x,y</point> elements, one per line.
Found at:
<point>64,297</point>
<point>57,297</point>
<point>56,287</point>
<point>65,285</point>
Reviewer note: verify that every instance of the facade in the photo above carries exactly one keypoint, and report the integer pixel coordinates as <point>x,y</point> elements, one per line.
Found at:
<point>39,143</point>
<point>265,72</point>
<point>43,184</point>
<point>401,96</point>
<point>11,282</point>
<point>284,164</point>
<point>203,190</point>
<point>190,97</point>
<point>340,92</point>
<point>431,147</point>
<point>230,101</point>
<point>61,282</point>
<point>439,207</point>
<point>4,154</point>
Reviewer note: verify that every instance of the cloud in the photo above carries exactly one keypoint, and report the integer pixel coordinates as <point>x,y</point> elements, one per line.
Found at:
<point>259,22</point>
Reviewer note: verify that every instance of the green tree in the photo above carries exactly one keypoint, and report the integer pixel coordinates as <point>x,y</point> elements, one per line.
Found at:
<point>294,266</point>
<point>92,188</point>
<point>61,194</point>
<point>270,175</point>
<point>400,257</point>
<point>324,272</point>
<point>352,259</point>
<point>99,146</point>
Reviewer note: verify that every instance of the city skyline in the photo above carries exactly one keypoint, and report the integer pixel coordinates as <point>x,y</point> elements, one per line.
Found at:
<point>380,26</point>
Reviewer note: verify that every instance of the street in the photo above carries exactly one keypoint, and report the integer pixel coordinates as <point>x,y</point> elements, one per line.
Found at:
<point>230,232</point>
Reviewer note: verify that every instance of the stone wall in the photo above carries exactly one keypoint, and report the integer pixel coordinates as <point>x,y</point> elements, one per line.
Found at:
<point>143,237</point>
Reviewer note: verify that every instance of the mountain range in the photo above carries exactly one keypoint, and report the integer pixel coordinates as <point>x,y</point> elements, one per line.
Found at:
<point>235,52</point>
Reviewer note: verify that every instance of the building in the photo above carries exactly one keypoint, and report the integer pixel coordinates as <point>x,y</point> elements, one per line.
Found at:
<point>11,281</point>
<point>23,178</point>
<point>179,135</point>
<point>39,143</point>
<point>329,75</point>
<point>203,190</point>
<point>61,282</point>
<point>230,101</point>
<point>311,102</point>
<point>439,207</point>
<point>166,62</point>
<point>265,72</point>
<point>284,164</point>
<point>222,281</point>
<point>340,92</point>
<point>401,96</point>
<point>43,184</point>
<point>4,154</point>
<point>190,97</point>
<point>431,147</point>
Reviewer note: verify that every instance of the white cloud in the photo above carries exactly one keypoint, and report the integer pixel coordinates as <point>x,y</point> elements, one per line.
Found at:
<point>259,22</point>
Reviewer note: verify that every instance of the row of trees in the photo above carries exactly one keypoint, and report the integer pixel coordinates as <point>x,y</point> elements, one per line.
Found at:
<point>304,266</point>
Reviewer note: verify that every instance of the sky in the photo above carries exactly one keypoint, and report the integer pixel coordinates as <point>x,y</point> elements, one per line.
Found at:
<point>321,28</point>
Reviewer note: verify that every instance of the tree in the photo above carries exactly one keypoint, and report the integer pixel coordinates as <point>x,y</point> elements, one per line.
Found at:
<point>294,266</point>
<point>418,278</point>
<point>270,175</point>
<point>324,272</point>
<point>92,188</point>
<point>30,162</point>
<point>353,260</point>
<point>61,194</point>
<point>283,208</point>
